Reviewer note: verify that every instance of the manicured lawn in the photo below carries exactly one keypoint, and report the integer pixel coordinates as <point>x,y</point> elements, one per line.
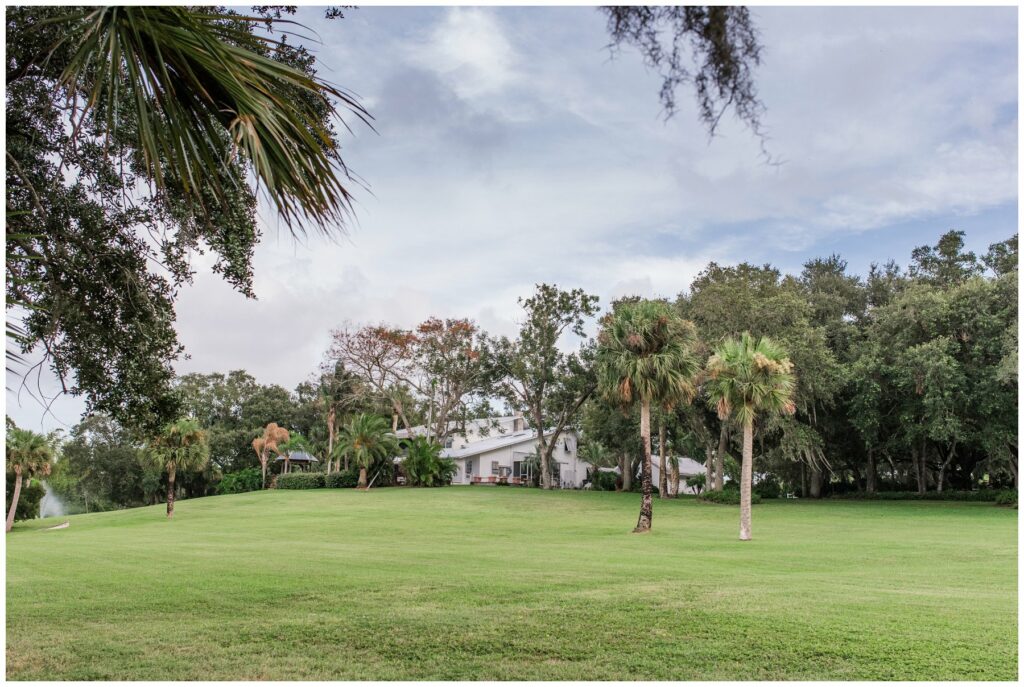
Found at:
<point>505,583</point>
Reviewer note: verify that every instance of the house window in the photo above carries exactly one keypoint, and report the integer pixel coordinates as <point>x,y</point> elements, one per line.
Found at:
<point>469,468</point>
<point>495,468</point>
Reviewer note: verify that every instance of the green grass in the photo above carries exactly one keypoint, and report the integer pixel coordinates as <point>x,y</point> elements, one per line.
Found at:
<point>506,583</point>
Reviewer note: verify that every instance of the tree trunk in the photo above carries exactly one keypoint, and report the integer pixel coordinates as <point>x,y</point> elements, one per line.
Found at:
<point>170,492</point>
<point>922,487</point>
<point>627,473</point>
<point>871,478</point>
<point>673,485</point>
<point>709,464</point>
<point>331,416</point>
<point>542,446</point>
<point>815,482</point>
<point>663,465</point>
<point>263,462</point>
<point>723,445</point>
<point>362,478</point>
<point>643,524</point>
<point>621,481</point>
<point>945,465</point>
<point>14,498</point>
<point>746,478</point>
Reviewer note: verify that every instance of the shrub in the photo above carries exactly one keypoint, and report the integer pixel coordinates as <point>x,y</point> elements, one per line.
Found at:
<point>989,495</point>
<point>1006,498</point>
<point>32,493</point>
<point>344,479</point>
<point>423,465</point>
<point>697,482</point>
<point>729,497</point>
<point>249,479</point>
<point>604,481</point>
<point>768,488</point>
<point>300,480</point>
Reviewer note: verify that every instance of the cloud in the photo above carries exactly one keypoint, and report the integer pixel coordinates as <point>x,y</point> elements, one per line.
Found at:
<point>512,150</point>
<point>469,49</point>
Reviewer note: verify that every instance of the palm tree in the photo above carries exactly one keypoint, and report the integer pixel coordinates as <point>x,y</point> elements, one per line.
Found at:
<point>747,378</point>
<point>181,446</point>
<point>366,439</point>
<point>296,442</point>
<point>28,454</point>
<point>273,436</point>
<point>339,392</point>
<point>644,354</point>
<point>204,89</point>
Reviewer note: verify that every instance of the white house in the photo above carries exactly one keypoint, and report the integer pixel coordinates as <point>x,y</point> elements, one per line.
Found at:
<point>688,467</point>
<point>497,450</point>
<point>474,430</point>
<point>493,457</point>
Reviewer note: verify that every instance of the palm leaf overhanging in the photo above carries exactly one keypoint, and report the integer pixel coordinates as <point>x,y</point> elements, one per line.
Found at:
<point>202,92</point>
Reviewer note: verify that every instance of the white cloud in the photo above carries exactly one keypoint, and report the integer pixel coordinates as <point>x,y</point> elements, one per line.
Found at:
<point>511,150</point>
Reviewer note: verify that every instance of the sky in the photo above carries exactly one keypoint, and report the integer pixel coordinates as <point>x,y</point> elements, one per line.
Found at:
<point>511,148</point>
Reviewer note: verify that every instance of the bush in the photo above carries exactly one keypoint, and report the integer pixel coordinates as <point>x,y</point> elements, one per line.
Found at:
<point>301,480</point>
<point>697,482</point>
<point>423,465</point>
<point>988,495</point>
<point>1006,498</point>
<point>604,481</point>
<point>730,497</point>
<point>32,492</point>
<point>344,479</point>
<point>249,479</point>
<point>768,488</point>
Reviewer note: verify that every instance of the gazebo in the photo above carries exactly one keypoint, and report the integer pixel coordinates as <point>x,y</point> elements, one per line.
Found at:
<point>298,458</point>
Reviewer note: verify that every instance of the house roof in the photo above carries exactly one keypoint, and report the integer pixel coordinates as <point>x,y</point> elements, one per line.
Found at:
<point>298,457</point>
<point>421,430</point>
<point>490,444</point>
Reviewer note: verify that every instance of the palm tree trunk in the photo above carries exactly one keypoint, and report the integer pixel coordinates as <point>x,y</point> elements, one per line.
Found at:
<point>170,492</point>
<point>673,484</point>
<point>14,498</point>
<point>263,463</point>
<point>362,478</point>
<point>627,472</point>
<point>643,524</point>
<point>709,471</point>
<point>723,445</point>
<point>746,477</point>
<point>663,467</point>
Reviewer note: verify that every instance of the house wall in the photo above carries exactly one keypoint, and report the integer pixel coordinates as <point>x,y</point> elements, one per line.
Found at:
<point>573,469</point>
<point>683,475</point>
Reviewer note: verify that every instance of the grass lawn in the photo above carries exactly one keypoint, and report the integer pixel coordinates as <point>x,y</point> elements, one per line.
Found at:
<point>506,583</point>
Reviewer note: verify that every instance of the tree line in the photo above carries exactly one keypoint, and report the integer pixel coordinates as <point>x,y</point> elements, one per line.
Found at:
<point>901,380</point>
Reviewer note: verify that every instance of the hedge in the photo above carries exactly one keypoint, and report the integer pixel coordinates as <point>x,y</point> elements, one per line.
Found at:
<point>301,480</point>
<point>345,479</point>
<point>989,495</point>
<point>729,497</point>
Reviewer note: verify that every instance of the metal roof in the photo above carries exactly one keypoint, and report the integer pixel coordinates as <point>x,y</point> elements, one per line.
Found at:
<point>298,457</point>
<point>484,445</point>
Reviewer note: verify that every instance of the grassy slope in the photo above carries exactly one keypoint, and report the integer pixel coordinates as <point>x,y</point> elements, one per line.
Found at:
<point>475,583</point>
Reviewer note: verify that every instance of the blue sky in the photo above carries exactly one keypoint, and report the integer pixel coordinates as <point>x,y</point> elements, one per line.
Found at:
<point>511,149</point>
